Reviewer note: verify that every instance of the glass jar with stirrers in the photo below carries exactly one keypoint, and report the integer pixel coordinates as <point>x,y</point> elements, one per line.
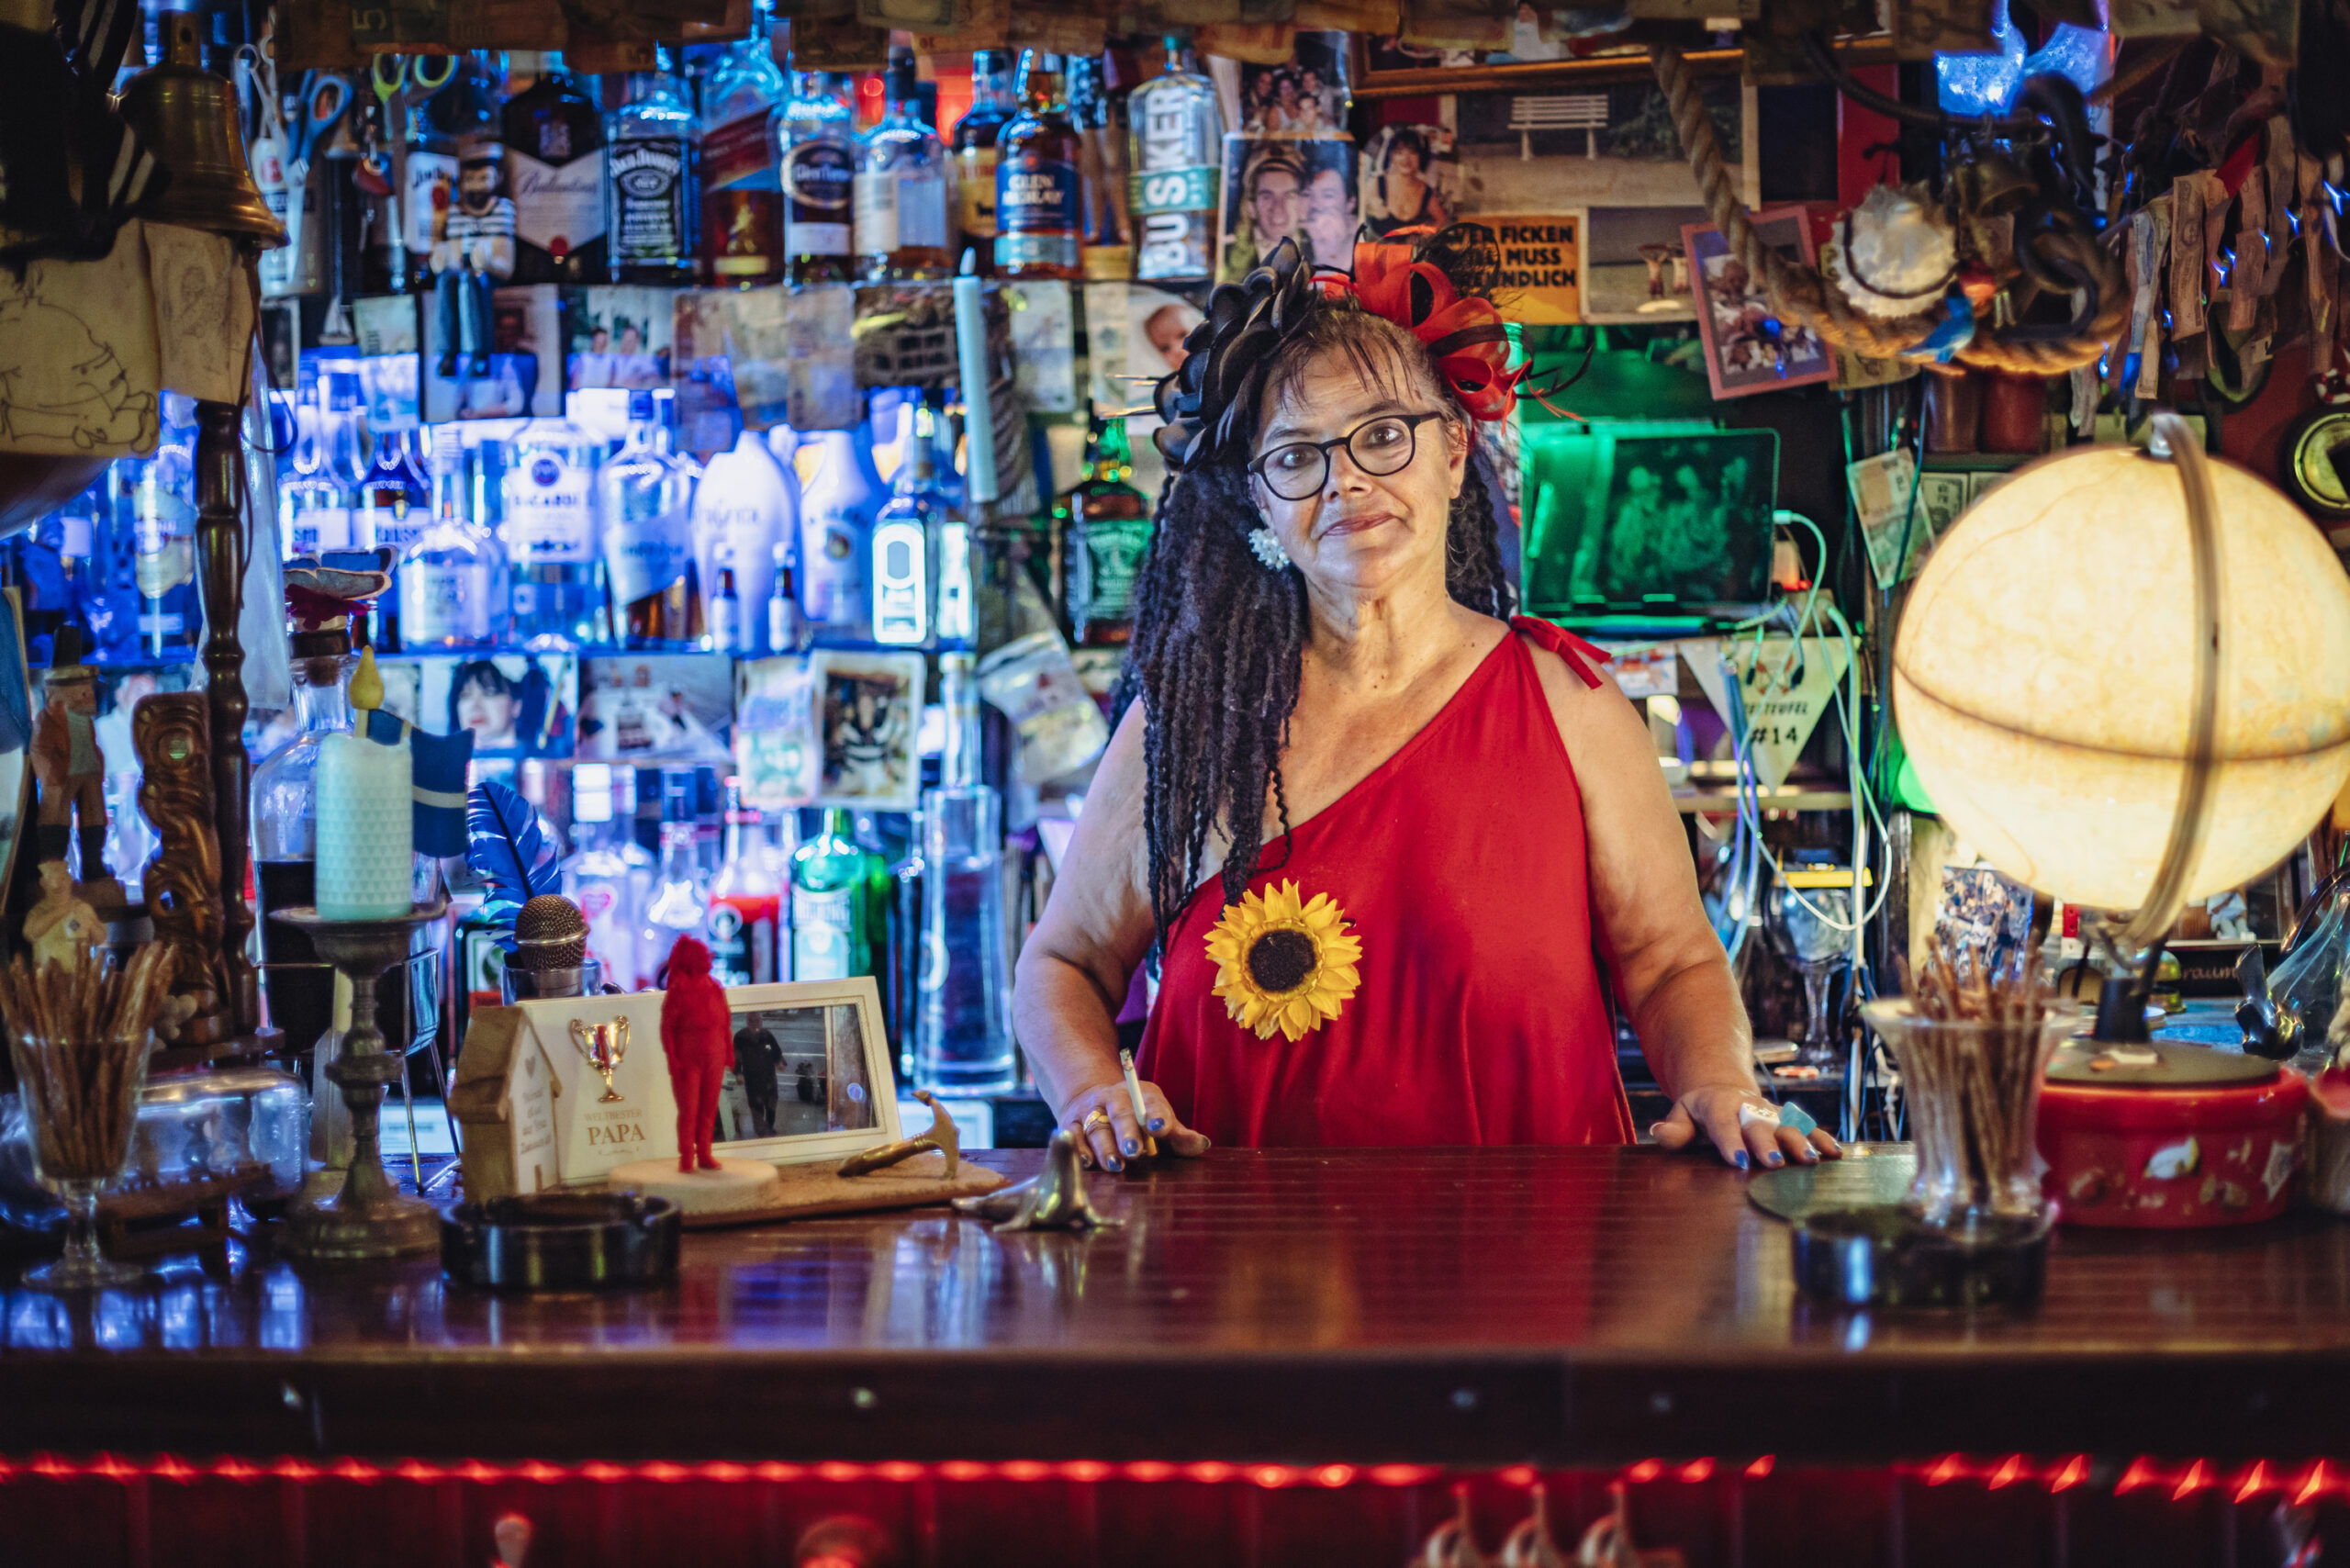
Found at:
<point>79,1035</point>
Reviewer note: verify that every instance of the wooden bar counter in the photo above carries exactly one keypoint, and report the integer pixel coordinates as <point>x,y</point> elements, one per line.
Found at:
<point>1460,1308</point>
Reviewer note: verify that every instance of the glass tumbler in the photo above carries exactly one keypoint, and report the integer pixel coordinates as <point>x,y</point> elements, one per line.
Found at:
<point>81,1107</point>
<point>1973,1089</point>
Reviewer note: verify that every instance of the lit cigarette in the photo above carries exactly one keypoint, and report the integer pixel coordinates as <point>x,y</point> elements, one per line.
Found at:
<point>1134,1095</point>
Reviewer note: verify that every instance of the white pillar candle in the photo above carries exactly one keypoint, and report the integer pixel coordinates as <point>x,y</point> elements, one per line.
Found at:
<point>366,855</point>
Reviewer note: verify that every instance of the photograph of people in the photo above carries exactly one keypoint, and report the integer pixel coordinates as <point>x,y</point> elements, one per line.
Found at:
<point>505,714</point>
<point>1266,207</point>
<point>1165,329</point>
<point>1407,198</point>
<point>1331,222</point>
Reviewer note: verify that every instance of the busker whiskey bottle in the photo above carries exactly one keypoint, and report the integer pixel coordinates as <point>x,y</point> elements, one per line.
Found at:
<point>1178,134</point>
<point>1038,194</point>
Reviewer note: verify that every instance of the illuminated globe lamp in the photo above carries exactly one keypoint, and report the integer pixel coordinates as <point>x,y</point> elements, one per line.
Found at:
<point>2124,677</point>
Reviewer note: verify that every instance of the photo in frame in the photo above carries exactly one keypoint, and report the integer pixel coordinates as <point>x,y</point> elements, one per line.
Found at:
<point>1281,188</point>
<point>869,713</point>
<point>1411,179</point>
<point>1304,95</point>
<point>515,704</point>
<point>1634,268</point>
<point>1748,348</point>
<point>779,749</point>
<point>620,337</point>
<point>810,1078</point>
<point>657,706</point>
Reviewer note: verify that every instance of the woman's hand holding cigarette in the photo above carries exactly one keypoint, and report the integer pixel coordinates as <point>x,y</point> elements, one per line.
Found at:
<point>1101,1115</point>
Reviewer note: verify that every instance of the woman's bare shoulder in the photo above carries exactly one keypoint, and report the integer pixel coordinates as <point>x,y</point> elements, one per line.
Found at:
<point>1598,725</point>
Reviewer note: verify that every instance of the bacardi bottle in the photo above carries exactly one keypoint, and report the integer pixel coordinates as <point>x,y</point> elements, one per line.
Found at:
<point>742,185</point>
<point>653,188</point>
<point>644,501</point>
<point>554,159</point>
<point>819,180</point>
<point>901,187</point>
<point>549,532</point>
<point>993,105</point>
<point>1039,194</point>
<point>1177,137</point>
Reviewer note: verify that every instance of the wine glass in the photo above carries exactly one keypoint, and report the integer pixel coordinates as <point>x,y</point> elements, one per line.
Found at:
<point>81,1107</point>
<point>1800,926</point>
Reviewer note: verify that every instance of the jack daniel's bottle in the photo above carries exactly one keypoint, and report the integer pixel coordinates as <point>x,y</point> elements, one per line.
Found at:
<point>651,222</point>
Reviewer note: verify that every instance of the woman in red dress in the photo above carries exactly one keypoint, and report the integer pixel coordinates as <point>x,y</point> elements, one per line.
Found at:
<point>1383,841</point>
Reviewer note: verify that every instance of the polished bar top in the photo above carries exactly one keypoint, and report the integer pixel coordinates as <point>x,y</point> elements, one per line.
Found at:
<point>1562,1305</point>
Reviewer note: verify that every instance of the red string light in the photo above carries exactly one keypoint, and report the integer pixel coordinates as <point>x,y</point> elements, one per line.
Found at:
<point>2181,1481</point>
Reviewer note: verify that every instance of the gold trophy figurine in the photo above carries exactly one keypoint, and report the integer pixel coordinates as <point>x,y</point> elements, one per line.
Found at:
<point>603,1046</point>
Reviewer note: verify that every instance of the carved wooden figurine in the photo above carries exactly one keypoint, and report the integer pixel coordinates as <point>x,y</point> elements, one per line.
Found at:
<point>69,768</point>
<point>172,733</point>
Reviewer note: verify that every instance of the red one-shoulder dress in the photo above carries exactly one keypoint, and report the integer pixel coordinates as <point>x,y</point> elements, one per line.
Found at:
<point>1416,964</point>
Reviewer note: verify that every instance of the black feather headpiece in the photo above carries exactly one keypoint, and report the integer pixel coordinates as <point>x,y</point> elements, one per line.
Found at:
<point>1225,356</point>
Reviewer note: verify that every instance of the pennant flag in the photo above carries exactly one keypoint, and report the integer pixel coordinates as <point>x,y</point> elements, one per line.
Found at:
<point>1785,687</point>
<point>438,764</point>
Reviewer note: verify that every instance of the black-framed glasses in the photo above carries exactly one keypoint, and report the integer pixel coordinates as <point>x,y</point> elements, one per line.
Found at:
<point>1386,445</point>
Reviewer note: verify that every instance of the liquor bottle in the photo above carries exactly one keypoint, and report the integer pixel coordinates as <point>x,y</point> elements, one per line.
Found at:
<point>285,837</point>
<point>836,513</point>
<point>1177,132</point>
<point>645,509</point>
<point>819,157</point>
<point>828,903</point>
<point>905,537</point>
<point>428,174</point>
<point>902,186</point>
<point>548,530</point>
<point>787,619</point>
<point>678,907</point>
<point>449,578</point>
<point>1038,196</point>
<point>1098,117</point>
<point>745,505</point>
<point>1109,530</point>
<point>162,522</point>
<point>599,877</point>
<point>395,503</point>
<point>745,901</point>
<point>314,504</point>
<point>974,151</point>
<point>554,162</point>
<point>742,182</point>
<point>963,1034</point>
<point>652,220</point>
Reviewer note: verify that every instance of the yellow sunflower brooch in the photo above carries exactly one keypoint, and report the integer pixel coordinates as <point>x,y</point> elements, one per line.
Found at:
<point>1283,964</point>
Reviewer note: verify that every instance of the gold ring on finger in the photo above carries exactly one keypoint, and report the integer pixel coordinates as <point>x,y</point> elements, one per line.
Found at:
<point>1093,1118</point>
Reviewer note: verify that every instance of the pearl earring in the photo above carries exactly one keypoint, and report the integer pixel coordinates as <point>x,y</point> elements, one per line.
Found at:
<point>1268,547</point>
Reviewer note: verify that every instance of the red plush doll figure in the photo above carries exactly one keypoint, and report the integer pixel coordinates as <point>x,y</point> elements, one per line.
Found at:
<point>697,1037</point>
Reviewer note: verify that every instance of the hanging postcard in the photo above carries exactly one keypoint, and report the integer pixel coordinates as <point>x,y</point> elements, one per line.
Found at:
<point>1750,347</point>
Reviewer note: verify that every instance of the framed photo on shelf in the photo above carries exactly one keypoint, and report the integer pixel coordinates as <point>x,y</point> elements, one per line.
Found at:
<point>644,707</point>
<point>515,704</point>
<point>812,1079</point>
<point>1748,348</point>
<point>1279,188</point>
<point>869,714</point>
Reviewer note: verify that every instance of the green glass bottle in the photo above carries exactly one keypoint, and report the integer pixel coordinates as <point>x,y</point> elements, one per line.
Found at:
<point>1109,530</point>
<point>830,904</point>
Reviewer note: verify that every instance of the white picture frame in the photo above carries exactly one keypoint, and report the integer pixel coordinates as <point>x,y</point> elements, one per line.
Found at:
<point>874,1088</point>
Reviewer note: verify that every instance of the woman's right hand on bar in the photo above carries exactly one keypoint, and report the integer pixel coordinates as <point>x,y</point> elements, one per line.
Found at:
<point>1103,1118</point>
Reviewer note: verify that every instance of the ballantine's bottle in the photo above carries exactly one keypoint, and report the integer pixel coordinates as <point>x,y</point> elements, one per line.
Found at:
<point>819,180</point>
<point>1038,193</point>
<point>901,190</point>
<point>741,183</point>
<point>644,501</point>
<point>1177,137</point>
<point>976,135</point>
<point>554,159</point>
<point>653,188</point>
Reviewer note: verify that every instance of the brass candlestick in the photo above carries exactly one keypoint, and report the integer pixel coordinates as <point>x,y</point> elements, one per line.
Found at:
<point>369,1218</point>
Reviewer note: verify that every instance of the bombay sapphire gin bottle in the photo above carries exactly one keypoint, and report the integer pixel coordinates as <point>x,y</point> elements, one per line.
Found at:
<point>644,501</point>
<point>549,533</point>
<point>963,1032</point>
<point>449,577</point>
<point>828,935</point>
<point>162,506</point>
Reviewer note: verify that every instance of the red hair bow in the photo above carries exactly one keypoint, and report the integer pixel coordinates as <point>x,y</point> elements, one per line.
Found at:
<point>1465,335</point>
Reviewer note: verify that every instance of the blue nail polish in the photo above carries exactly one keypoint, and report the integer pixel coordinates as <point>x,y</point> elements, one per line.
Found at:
<point>1158,1124</point>
<point>1775,1159</point>
<point>1741,1159</point>
<point>1131,1147</point>
<point>1116,1164</point>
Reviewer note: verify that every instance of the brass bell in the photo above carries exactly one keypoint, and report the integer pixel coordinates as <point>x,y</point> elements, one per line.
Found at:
<point>187,117</point>
<point>1993,184</point>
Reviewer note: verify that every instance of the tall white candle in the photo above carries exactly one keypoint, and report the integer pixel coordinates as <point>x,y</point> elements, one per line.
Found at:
<point>978,416</point>
<point>367,846</point>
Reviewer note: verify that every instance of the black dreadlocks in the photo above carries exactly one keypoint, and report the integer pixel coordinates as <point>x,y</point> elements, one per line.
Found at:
<point>1219,639</point>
